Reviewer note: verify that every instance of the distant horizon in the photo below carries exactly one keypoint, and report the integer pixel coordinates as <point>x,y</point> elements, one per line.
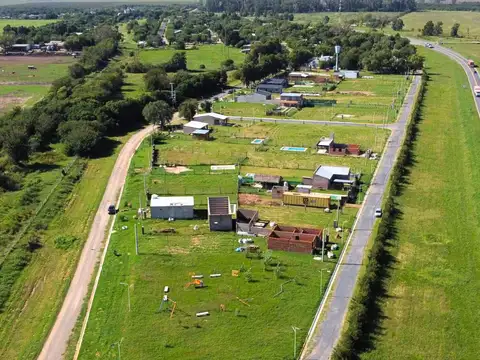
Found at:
<point>60,2</point>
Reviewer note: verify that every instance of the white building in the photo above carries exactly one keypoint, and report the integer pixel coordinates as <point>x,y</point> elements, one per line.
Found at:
<point>191,126</point>
<point>176,207</point>
<point>211,118</point>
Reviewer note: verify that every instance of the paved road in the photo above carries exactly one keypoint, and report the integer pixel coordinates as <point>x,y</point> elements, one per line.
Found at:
<point>311,122</point>
<point>327,332</point>
<point>56,343</point>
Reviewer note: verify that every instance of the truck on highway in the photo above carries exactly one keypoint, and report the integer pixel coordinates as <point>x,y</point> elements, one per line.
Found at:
<point>471,63</point>
<point>476,90</point>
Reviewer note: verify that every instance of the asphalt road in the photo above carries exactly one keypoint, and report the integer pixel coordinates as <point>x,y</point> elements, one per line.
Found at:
<point>56,343</point>
<point>325,334</point>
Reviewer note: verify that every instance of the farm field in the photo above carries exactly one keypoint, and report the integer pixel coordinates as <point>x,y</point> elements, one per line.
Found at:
<point>39,291</point>
<point>430,307</point>
<point>209,55</point>
<point>366,100</point>
<point>335,17</point>
<point>169,259</point>
<point>25,22</point>
<point>21,86</point>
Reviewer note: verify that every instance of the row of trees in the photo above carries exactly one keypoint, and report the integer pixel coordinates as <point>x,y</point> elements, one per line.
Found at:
<point>431,29</point>
<point>249,7</point>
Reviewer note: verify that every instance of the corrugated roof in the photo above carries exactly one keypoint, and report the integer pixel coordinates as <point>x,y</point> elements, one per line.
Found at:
<point>330,171</point>
<point>219,205</point>
<point>291,94</point>
<point>271,179</point>
<point>164,201</point>
<point>201,132</point>
<point>325,142</point>
<point>212,114</point>
<point>196,124</point>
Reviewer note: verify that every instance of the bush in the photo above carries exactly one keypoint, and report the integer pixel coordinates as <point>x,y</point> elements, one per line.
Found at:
<point>64,242</point>
<point>202,66</point>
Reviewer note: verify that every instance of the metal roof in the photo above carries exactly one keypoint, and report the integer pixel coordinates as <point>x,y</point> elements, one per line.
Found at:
<point>212,114</point>
<point>196,124</point>
<point>325,142</point>
<point>271,179</point>
<point>291,94</point>
<point>201,132</point>
<point>170,201</point>
<point>330,171</point>
<point>270,86</point>
<point>274,81</point>
<point>219,205</point>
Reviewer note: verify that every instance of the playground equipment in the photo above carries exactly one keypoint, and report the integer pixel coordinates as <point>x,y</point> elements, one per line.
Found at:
<point>243,301</point>
<point>198,284</point>
<point>204,313</point>
<point>215,275</point>
<point>165,301</point>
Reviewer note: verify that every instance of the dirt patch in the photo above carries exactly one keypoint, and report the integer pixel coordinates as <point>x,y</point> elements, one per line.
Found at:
<point>176,169</point>
<point>252,199</point>
<point>355,206</point>
<point>356,93</point>
<point>176,250</point>
<point>7,101</point>
<point>31,60</point>
<point>196,241</point>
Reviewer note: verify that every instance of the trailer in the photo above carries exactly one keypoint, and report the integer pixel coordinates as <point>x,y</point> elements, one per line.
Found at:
<point>476,90</point>
<point>471,63</point>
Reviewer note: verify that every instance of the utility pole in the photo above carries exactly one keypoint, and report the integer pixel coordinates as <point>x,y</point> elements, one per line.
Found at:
<point>128,294</point>
<point>136,240</point>
<point>294,328</point>
<point>173,93</point>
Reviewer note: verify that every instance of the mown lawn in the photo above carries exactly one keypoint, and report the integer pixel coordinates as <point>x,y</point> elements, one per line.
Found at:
<point>431,310</point>
<point>259,330</point>
<point>209,55</point>
<point>25,22</point>
<point>39,292</point>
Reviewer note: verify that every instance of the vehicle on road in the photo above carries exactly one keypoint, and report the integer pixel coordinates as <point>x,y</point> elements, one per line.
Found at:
<point>428,45</point>
<point>112,210</point>
<point>471,63</point>
<point>378,213</point>
<point>476,90</point>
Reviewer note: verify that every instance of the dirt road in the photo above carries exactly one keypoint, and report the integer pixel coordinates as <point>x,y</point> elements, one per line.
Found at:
<point>56,343</point>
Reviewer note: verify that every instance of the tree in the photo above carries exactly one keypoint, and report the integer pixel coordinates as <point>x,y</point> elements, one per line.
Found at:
<point>437,29</point>
<point>428,29</point>
<point>76,71</point>
<point>454,30</point>
<point>7,39</point>
<point>79,137</point>
<point>156,79</point>
<point>326,19</point>
<point>176,63</point>
<point>188,109</point>
<point>180,45</point>
<point>298,57</point>
<point>228,65</point>
<point>397,24</point>
<point>158,113</point>
<point>15,143</point>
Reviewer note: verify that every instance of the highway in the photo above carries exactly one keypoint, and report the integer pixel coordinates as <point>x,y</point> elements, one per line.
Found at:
<point>324,334</point>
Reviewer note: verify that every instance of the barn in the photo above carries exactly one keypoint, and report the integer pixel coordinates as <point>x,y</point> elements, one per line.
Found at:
<point>211,118</point>
<point>176,207</point>
<point>191,126</point>
<point>220,213</point>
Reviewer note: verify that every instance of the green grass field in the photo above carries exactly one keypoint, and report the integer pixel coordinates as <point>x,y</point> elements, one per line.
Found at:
<point>335,17</point>
<point>39,292</point>
<point>170,260</point>
<point>470,51</point>
<point>24,22</point>
<point>430,309</point>
<point>209,55</point>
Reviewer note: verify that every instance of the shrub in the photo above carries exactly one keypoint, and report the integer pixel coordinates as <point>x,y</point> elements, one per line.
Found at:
<point>64,242</point>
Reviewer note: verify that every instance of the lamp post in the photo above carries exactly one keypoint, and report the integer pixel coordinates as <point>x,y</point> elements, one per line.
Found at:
<point>294,328</point>
<point>128,294</point>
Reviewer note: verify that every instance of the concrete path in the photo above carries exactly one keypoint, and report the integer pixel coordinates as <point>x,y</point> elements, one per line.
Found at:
<point>56,343</point>
<point>324,334</point>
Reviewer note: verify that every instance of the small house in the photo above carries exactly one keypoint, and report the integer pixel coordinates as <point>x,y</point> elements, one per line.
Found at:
<point>201,134</point>
<point>328,177</point>
<point>291,100</point>
<point>267,181</point>
<point>176,207</point>
<point>220,213</point>
<point>211,118</point>
<point>294,239</point>
<point>350,74</point>
<point>330,147</point>
<point>191,126</point>
<point>273,85</point>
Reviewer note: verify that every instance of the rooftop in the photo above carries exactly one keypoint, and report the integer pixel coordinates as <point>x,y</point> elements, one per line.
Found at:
<point>196,124</point>
<point>269,86</point>
<point>291,94</point>
<point>325,142</point>
<point>271,179</point>
<point>212,114</point>
<point>330,171</point>
<point>201,132</point>
<point>274,81</point>
<point>219,205</point>
<point>162,201</point>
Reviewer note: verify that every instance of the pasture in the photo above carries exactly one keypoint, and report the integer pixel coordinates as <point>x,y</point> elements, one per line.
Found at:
<point>244,310</point>
<point>336,17</point>
<point>209,55</point>
<point>25,22</point>
<point>430,307</point>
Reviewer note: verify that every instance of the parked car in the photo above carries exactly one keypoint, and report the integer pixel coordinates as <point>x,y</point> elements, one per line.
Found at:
<point>378,213</point>
<point>112,210</point>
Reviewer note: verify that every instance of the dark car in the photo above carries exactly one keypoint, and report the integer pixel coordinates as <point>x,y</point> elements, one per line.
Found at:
<point>112,210</point>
